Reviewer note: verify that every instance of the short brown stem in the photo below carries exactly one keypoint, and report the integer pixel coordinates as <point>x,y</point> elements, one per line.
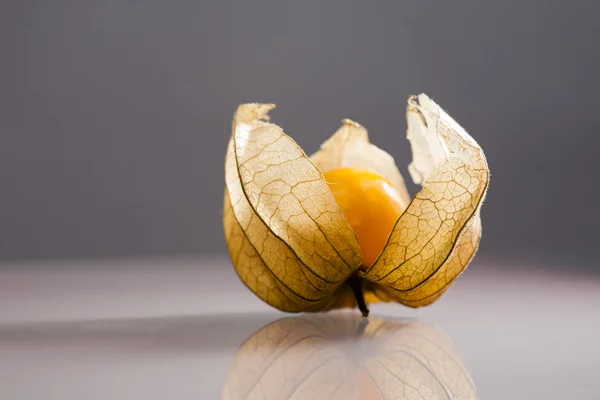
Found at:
<point>355,283</point>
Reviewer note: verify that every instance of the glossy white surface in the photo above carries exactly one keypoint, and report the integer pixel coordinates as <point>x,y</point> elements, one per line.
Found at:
<point>170,328</point>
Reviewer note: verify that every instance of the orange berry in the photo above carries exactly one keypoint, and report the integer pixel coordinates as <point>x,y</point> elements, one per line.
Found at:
<point>371,205</point>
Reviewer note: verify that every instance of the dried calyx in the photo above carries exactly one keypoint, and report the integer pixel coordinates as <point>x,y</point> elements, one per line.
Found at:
<point>338,229</point>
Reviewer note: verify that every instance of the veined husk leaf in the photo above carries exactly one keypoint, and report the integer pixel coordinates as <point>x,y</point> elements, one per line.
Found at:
<point>438,234</point>
<point>334,356</point>
<point>288,239</point>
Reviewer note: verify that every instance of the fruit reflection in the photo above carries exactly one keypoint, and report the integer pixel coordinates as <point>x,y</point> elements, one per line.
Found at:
<point>342,356</point>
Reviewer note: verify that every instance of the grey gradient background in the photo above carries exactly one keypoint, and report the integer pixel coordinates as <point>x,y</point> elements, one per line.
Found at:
<point>114,115</point>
